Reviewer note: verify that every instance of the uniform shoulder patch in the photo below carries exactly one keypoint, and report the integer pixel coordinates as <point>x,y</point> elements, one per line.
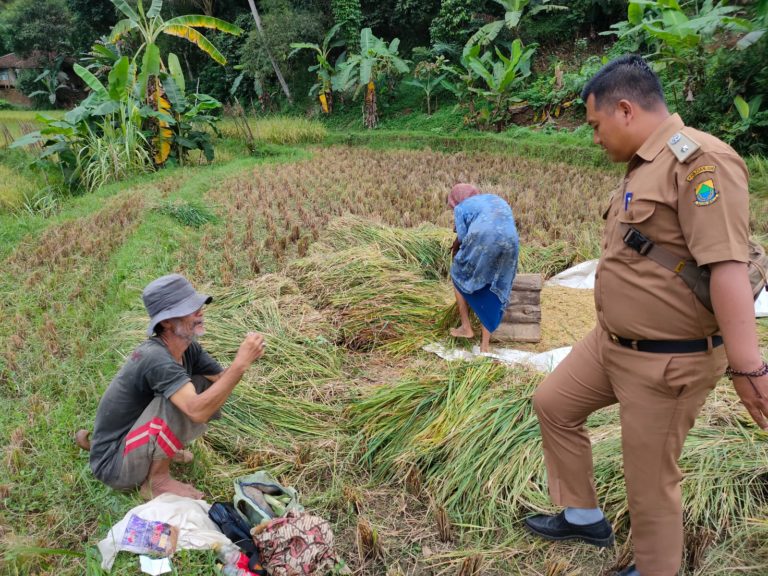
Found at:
<point>700,170</point>
<point>682,146</point>
<point>706,193</point>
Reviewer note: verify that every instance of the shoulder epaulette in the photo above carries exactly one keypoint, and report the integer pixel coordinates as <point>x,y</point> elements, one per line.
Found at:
<point>682,146</point>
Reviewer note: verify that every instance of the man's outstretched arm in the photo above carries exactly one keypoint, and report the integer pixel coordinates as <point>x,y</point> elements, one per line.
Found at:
<point>200,407</point>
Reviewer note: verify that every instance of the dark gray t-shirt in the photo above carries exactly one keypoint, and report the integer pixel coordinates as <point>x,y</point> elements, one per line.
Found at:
<point>149,371</point>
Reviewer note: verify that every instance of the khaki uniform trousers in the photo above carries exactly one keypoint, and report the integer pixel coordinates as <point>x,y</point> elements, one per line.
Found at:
<point>659,396</point>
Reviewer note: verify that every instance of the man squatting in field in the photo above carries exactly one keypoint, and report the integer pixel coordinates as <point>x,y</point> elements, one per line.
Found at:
<point>656,350</point>
<point>163,396</point>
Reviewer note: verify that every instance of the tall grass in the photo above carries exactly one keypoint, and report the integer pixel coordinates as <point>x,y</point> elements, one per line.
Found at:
<point>14,188</point>
<point>114,153</point>
<point>278,130</point>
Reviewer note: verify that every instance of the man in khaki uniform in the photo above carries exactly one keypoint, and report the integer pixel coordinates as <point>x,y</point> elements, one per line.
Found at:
<point>656,350</point>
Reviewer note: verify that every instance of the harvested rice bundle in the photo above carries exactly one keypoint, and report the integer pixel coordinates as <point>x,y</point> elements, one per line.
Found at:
<point>547,259</point>
<point>375,301</point>
<point>469,430</point>
<point>471,434</point>
<point>426,247</point>
<point>725,472</point>
<point>298,350</point>
<point>262,418</point>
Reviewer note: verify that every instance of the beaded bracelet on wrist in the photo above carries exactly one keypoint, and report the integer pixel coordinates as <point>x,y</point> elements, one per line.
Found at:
<point>762,371</point>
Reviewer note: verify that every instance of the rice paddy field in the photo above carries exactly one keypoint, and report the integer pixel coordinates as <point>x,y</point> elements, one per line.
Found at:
<point>336,247</point>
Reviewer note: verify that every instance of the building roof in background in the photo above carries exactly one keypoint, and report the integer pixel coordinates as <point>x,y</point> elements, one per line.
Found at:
<point>35,60</point>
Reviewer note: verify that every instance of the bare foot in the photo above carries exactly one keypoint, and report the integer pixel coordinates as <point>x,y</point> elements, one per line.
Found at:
<point>183,457</point>
<point>157,485</point>
<point>462,332</point>
<point>485,349</point>
<point>83,439</point>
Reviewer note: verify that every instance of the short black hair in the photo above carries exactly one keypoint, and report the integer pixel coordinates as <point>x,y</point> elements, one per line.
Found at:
<point>627,77</point>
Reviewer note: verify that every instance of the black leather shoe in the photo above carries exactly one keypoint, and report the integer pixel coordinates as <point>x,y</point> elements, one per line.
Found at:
<point>629,571</point>
<point>556,527</point>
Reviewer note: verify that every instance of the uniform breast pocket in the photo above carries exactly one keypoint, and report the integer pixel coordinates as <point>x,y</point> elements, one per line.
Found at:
<point>637,211</point>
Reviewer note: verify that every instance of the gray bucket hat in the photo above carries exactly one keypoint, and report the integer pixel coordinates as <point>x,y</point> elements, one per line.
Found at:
<point>171,296</point>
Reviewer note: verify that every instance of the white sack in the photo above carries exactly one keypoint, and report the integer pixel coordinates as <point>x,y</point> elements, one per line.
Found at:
<point>196,530</point>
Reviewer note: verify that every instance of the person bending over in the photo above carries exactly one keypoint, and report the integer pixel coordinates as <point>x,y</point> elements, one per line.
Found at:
<point>484,259</point>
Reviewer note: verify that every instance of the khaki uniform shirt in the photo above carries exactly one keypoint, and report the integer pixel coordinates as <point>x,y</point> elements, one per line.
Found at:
<point>697,209</point>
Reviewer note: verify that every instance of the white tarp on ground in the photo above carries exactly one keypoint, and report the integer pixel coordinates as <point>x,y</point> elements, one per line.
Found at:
<point>542,361</point>
<point>583,276</point>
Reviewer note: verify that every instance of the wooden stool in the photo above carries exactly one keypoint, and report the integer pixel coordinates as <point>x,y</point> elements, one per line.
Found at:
<point>522,318</point>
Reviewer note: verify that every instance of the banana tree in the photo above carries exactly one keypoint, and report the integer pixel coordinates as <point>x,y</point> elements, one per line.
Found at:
<point>501,77</point>
<point>513,12</point>
<point>323,68</point>
<point>376,61</point>
<point>678,42</point>
<point>149,25</point>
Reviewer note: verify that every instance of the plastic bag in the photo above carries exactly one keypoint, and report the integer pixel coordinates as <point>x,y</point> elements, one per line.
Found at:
<point>259,497</point>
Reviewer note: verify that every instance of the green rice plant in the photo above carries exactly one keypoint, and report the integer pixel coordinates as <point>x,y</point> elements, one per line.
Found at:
<point>426,247</point>
<point>187,213</point>
<point>278,130</point>
<point>375,302</point>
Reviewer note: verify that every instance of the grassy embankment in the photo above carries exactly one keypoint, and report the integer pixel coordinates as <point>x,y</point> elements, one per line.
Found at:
<point>380,437</point>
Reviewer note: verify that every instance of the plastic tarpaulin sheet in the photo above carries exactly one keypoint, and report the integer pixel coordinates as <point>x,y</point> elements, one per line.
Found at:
<point>583,276</point>
<point>541,361</point>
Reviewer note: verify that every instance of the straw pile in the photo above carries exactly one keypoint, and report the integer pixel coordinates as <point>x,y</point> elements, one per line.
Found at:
<point>470,433</point>
<point>369,279</point>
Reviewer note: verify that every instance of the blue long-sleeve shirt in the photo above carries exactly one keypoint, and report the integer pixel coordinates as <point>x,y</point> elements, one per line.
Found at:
<point>486,229</point>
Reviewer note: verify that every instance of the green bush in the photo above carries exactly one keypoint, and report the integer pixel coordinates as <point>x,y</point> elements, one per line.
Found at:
<point>282,25</point>
<point>733,73</point>
<point>457,21</point>
<point>5,105</point>
<point>583,18</point>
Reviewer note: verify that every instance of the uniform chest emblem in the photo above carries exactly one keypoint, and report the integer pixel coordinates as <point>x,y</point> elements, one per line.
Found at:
<point>706,193</point>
